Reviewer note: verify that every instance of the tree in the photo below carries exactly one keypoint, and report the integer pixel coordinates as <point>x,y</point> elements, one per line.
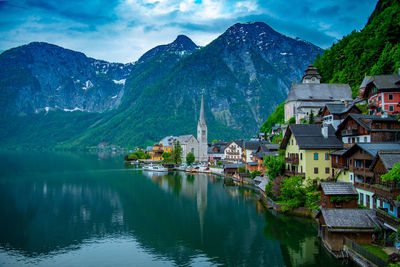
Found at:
<point>275,166</point>
<point>311,119</point>
<point>176,155</point>
<point>214,141</point>
<point>254,174</point>
<point>166,156</point>
<point>190,158</point>
<point>292,120</point>
<point>393,175</point>
<point>293,191</point>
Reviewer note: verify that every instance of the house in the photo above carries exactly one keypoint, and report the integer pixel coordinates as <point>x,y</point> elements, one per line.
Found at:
<point>339,165</point>
<point>216,151</point>
<point>264,150</point>
<point>358,128</point>
<point>359,160</point>
<point>156,154</point>
<point>335,113</point>
<point>307,148</point>
<point>250,147</point>
<point>356,224</point>
<point>338,195</point>
<point>168,143</point>
<point>311,95</point>
<point>234,151</point>
<point>382,93</point>
<point>387,197</point>
<point>231,169</point>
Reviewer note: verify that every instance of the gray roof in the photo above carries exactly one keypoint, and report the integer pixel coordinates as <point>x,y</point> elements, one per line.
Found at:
<point>319,91</point>
<point>234,166</point>
<point>389,81</point>
<point>239,142</point>
<point>169,140</point>
<point>261,182</point>
<point>338,108</point>
<point>389,158</point>
<point>373,148</point>
<point>253,145</point>
<point>365,81</point>
<point>366,120</point>
<point>338,152</point>
<point>339,188</point>
<point>350,218</point>
<point>183,139</point>
<point>261,155</point>
<point>309,136</point>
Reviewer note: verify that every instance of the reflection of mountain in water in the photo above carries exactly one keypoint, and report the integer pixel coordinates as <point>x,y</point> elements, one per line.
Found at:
<point>177,217</point>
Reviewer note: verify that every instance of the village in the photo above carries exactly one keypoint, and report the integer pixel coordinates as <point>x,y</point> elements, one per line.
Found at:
<point>336,149</point>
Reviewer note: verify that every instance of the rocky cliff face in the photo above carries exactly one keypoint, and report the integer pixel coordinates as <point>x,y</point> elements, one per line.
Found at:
<point>246,72</point>
<point>41,76</point>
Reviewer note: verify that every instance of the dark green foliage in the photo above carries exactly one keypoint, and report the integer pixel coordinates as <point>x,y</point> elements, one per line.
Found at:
<point>292,120</point>
<point>277,138</point>
<point>166,156</point>
<point>373,50</point>
<point>278,116</point>
<point>311,119</point>
<point>393,175</point>
<point>242,170</point>
<point>342,198</point>
<point>138,155</point>
<point>176,154</point>
<point>254,174</point>
<point>275,166</point>
<point>190,158</point>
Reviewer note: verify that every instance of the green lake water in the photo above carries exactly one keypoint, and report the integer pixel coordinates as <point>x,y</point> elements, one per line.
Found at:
<point>77,209</point>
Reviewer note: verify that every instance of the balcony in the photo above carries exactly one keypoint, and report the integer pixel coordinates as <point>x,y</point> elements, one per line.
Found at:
<point>339,165</point>
<point>349,132</point>
<point>292,160</point>
<point>362,171</point>
<point>386,192</point>
<point>387,218</point>
<point>290,173</point>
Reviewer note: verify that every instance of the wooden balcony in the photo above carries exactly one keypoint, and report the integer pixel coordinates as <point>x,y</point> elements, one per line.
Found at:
<point>292,160</point>
<point>349,132</point>
<point>339,165</point>
<point>290,173</point>
<point>380,190</point>
<point>362,171</point>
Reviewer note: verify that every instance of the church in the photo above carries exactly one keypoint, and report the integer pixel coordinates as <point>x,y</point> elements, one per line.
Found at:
<point>189,143</point>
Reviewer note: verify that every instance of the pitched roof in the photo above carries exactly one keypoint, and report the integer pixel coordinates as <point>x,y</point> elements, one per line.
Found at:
<point>388,81</point>
<point>233,166</point>
<point>261,155</point>
<point>311,71</point>
<point>365,121</point>
<point>183,139</point>
<point>339,188</point>
<point>253,145</point>
<point>388,158</point>
<point>309,136</point>
<point>350,218</point>
<point>319,91</point>
<point>339,108</point>
<point>373,148</point>
<point>169,140</point>
<point>239,142</point>
<point>338,152</point>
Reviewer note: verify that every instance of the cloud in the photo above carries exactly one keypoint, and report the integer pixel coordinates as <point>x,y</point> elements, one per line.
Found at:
<point>122,30</point>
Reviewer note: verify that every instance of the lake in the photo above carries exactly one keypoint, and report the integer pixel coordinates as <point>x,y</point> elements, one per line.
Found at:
<point>80,209</point>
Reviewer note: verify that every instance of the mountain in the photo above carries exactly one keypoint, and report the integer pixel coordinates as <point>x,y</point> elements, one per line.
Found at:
<point>41,76</point>
<point>245,73</point>
<point>373,50</point>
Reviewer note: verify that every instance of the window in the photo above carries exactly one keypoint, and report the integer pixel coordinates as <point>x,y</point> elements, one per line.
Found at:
<point>327,170</point>
<point>391,208</point>
<point>337,159</point>
<point>326,156</point>
<point>361,199</point>
<point>379,98</point>
<point>351,177</point>
<point>301,156</point>
<point>315,156</point>
<point>316,170</point>
<point>292,142</point>
<point>391,108</point>
<point>390,97</point>
<point>365,139</point>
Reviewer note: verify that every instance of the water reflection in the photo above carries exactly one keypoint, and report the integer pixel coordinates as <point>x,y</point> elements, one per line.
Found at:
<point>58,203</point>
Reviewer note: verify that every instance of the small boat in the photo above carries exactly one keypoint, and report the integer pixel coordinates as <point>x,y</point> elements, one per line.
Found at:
<point>155,168</point>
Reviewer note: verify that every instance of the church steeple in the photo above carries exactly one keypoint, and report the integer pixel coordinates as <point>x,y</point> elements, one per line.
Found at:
<point>202,133</point>
<point>202,119</point>
<point>312,75</point>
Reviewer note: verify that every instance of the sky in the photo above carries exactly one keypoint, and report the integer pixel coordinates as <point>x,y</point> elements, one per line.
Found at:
<point>123,30</point>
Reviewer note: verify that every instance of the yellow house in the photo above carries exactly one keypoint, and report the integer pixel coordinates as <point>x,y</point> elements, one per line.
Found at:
<point>157,152</point>
<point>307,148</point>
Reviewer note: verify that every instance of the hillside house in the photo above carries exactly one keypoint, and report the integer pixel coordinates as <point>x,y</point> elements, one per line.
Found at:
<point>264,150</point>
<point>307,148</point>
<point>310,95</point>
<point>382,93</point>
<point>216,151</point>
<point>358,128</point>
<point>335,113</point>
<point>359,159</point>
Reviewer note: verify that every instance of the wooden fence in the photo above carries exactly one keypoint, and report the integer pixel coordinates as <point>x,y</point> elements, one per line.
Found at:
<point>365,253</point>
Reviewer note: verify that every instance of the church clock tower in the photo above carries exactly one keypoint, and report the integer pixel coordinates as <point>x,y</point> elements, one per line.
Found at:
<point>202,133</point>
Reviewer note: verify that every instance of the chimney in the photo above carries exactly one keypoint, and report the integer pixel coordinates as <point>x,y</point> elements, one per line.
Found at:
<point>324,130</point>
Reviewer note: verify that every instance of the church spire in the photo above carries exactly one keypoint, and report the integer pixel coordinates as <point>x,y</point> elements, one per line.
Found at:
<point>202,119</point>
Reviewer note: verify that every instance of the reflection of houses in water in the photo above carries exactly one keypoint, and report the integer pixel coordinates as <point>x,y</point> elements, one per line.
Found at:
<point>306,254</point>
